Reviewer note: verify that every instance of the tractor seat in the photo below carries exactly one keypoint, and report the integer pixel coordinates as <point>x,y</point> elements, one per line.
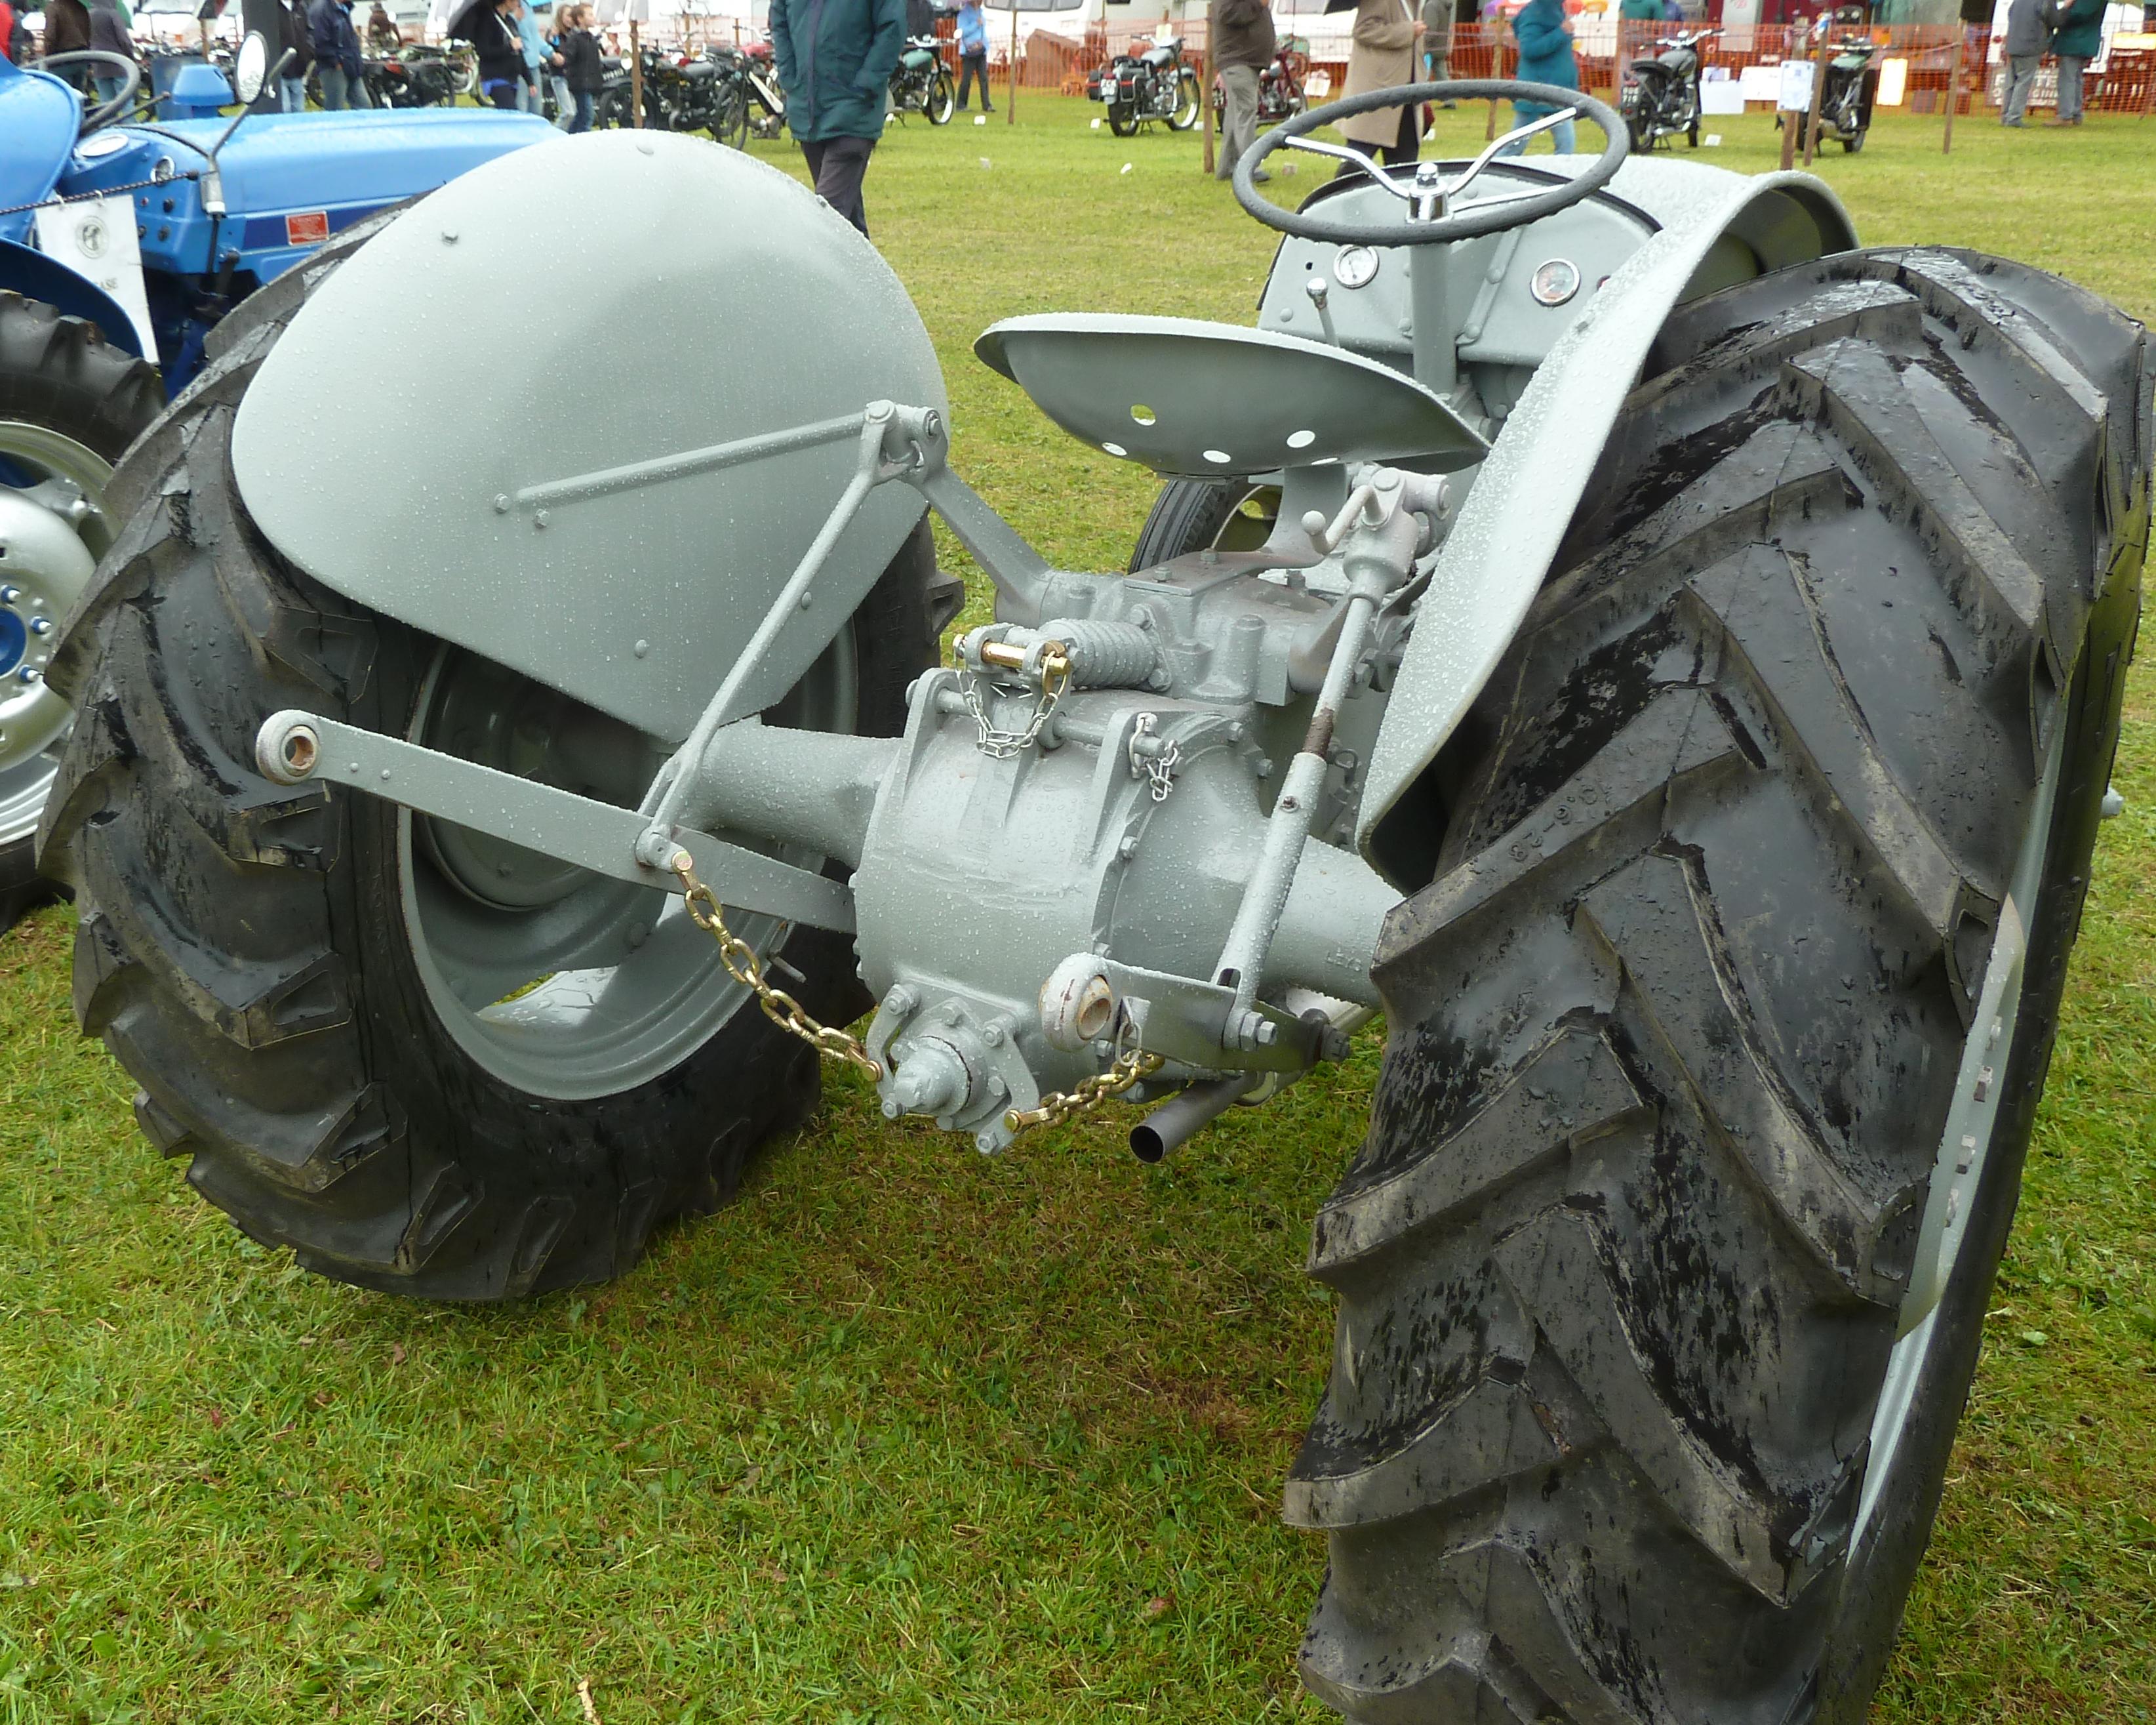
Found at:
<point>1193,399</point>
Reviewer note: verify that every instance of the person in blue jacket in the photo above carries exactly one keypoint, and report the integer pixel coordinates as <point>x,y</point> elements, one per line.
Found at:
<point>337,62</point>
<point>836,58</point>
<point>972,54</point>
<point>1544,35</point>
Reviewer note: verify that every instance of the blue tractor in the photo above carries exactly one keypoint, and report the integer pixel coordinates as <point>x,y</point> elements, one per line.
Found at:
<point>123,242</point>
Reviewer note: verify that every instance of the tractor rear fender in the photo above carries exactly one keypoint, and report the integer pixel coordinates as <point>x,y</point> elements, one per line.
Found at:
<point>36,276</point>
<point>1716,229</point>
<point>618,301</point>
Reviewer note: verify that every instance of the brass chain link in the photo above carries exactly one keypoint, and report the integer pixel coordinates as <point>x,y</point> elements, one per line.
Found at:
<point>1088,1093</point>
<point>746,968</point>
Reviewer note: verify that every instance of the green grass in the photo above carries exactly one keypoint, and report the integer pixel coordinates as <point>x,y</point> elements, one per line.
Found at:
<point>912,1435</point>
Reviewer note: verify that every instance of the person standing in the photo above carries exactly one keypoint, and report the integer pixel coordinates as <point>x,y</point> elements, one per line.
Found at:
<point>1437,42</point>
<point>972,54</point>
<point>337,62</point>
<point>1243,47</point>
<point>532,46</point>
<point>553,28</point>
<point>486,25</point>
<point>383,35</point>
<point>583,67</point>
<point>108,32</point>
<point>2028,34</point>
<point>836,58</point>
<point>66,31</point>
<point>2077,40</point>
<point>1382,55</point>
<point>1544,34</point>
<point>294,33</point>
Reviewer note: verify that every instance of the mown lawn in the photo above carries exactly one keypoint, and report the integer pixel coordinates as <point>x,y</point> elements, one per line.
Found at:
<point>912,1435</point>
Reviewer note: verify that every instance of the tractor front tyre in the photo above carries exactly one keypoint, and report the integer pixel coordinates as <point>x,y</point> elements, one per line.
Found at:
<point>429,1063</point>
<point>70,403</point>
<point>1717,1036</point>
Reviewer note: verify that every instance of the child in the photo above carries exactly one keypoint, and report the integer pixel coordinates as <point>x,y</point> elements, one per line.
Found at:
<point>581,63</point>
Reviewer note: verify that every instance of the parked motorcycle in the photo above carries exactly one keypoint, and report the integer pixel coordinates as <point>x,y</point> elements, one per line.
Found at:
<point>921,83</point>
<point>1279,84</point>
<point>414,77</point>
<point>1852,84</point>
<point>1660,97</point>
<point>1158,83</point>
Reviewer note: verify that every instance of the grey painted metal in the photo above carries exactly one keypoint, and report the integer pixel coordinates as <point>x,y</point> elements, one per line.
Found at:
<point>1494,562</point>
<point>1383,532</point>
<point>1182,396</point>
<point>1186,1112</point>
<point>52,533</point>
<point>881,426</point>
<point>293,746</point>
<point>674,273</point>
<point>1965,1146</point>
<point>791,787</point>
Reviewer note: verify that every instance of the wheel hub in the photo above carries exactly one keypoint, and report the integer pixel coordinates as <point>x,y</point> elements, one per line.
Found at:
<point>44,567</point>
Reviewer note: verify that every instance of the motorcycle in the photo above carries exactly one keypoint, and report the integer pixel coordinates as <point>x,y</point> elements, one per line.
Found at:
<point>1158,83</point>
<point>413,78</point>
<point>1279,84</point>
<point>921,83</point>
<point>1844,108</point>
<point>1660,97</point>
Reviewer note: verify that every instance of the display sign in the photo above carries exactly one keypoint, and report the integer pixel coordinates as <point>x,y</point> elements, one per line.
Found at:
<point>95,237</point>
<point>1794,91</point>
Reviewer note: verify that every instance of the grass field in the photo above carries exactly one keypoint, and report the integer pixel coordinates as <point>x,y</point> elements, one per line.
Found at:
<point>909,1435</point>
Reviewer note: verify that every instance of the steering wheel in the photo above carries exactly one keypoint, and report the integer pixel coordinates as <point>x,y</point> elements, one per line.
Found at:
<point>1429,194</point>
<point>105,115</point>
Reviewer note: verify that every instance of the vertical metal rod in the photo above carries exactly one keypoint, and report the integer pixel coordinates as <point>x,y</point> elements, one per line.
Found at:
<point>720,708</point>
<point>1288,830</point>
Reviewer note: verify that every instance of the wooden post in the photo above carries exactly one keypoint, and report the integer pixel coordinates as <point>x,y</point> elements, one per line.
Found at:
<point>1010,99</point>
<point>1788,120</point>
<point>1206,97</point>
<point>635,75</point>
<point>1954,89</point>
<point>1490,131</point>
<point>1818,96</point>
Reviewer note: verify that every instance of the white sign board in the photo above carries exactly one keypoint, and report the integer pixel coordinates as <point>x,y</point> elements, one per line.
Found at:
<point>95,237</point>
<point>1760,83</point>
<point>1794,94</point>
<point>1720,95</point>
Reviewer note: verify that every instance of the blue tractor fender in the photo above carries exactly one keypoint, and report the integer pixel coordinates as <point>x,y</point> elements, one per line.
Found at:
<point>36,276</point>
<point>38,117</point>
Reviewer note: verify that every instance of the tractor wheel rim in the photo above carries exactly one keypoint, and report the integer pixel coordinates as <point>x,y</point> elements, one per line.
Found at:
<point>1950,1225</point>
<point>64,482</point>
<point>557,982</point>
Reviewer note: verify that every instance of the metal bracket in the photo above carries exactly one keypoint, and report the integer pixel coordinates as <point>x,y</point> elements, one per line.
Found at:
<point>293,747</point>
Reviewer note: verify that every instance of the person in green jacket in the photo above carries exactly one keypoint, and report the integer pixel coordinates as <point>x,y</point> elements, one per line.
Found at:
<point>836,58</point>
<point>2079,40</point>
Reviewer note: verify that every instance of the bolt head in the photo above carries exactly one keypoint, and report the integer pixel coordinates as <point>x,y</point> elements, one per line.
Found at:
<point>1268,1032</point>
<point>994,1037</point>
<point>8,595</point>
<point>28,673</point>
<point>1129,847</point>
<point>41,625</point>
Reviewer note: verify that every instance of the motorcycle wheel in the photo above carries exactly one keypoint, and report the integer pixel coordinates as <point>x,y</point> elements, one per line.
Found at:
<point>1187,100</point>
<point>942,99</point>
<point>1691,134</point>
<point>1851,144</point>
<point>1642,141</point>
<point>1123,119</point>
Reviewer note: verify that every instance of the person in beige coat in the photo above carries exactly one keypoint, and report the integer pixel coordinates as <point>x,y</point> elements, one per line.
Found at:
<point>1387,35</point>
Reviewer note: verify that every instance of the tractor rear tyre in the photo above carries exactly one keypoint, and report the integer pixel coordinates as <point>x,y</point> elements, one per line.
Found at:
<point>1201,514</point>
<point>1631,1416</point>
<point>70,403</point>
<point>429,1063</point>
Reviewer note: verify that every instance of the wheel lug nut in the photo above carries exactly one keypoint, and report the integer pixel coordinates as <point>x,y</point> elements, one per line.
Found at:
<point>41,625</point>
<point>8,595</point>
<point>28,673</point>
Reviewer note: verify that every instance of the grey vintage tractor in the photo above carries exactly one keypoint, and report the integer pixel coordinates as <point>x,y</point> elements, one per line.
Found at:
<point>1664,658</point>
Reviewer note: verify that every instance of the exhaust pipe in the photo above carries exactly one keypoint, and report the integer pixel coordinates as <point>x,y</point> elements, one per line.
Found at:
<point>1184,1113</point>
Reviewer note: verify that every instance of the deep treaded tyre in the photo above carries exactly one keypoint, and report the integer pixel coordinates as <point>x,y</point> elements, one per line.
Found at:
<point>248,951</point>
<point>1732,838</point>
<point>58,375</point>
